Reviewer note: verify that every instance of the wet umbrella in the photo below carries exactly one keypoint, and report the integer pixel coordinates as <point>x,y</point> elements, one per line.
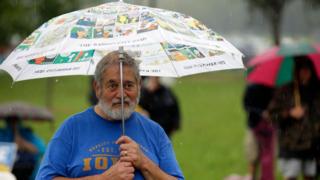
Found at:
<point>24,111</point>
<point>166,43</point>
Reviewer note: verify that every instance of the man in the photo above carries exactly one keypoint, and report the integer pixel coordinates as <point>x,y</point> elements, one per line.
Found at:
<point>89,145</point>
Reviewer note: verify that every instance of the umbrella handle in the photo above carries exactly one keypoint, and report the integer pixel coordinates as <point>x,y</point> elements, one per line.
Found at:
<point>296,94</point>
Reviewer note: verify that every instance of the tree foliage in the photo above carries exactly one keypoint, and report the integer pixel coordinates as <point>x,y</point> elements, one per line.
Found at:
<point>21,17</point>
<point>273,10</point>
<point>15,18</point>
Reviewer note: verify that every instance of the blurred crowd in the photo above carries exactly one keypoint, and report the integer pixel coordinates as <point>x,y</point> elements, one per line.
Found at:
<point>283,126</point>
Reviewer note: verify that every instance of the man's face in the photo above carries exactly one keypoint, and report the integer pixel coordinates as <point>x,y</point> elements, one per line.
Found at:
<point>109,93</point>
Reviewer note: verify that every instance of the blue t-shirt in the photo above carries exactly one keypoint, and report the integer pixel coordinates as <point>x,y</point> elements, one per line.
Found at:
<point>85,145</point>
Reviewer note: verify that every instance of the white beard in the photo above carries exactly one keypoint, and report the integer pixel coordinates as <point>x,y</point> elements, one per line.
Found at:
<point>115,113</point>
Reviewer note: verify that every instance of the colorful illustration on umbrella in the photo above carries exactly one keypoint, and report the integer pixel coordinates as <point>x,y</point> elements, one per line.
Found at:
<point>108,21</point>
<point>29,41</point>
<point>212,52</point>
<point>103,32</point>
<point>211,35</point>
<point>81,56</point>
<point>128,18</point>
<point>195,24</point>
<point>125,31</point>
<point>147,22</point>
<point>87,21</point>
<point>164,25</point>
<point>81,32</point>
<point>52,36</point>
<point>112,21</point>
<point>61,20</point>
<point>167,43</point>
<point>180,52</point>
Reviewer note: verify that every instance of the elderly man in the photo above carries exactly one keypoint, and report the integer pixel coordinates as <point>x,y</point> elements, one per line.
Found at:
<point>89,145</point>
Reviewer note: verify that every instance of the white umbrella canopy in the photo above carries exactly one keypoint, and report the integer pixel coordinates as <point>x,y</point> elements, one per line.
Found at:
<point>166,43</point>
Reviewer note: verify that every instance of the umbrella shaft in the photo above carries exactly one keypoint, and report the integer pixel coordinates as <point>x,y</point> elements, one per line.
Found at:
<point>121,89</point>
<point>296,93</point>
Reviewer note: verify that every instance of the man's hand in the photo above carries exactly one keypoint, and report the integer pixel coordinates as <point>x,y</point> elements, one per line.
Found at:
<point>119,171</point>
<point>297,112</point>
<point>130,151</point>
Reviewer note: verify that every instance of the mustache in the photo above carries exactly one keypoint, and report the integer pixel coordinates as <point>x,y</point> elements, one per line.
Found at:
<point>126,100</point>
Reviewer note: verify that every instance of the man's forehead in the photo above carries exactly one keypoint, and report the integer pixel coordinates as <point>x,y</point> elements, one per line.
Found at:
<point>114,76</point>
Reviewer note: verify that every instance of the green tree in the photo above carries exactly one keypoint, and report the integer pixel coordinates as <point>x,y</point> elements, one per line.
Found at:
<point>16,17</point>
<point>273,10</point>
<point>21,17</point>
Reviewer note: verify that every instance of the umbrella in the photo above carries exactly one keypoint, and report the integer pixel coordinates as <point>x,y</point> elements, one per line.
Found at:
<point>166,43</point>
<point>275,66</point>
<point>24,111</point>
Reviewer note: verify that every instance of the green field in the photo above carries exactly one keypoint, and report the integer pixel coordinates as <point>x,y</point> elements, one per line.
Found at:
<point>210,142</point>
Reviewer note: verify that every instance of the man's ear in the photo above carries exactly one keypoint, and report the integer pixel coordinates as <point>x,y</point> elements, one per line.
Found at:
<point>96,88</point>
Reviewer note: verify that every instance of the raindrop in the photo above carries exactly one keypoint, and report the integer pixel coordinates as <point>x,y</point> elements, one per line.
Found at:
<point>57,80</point>
<point>12,84</point>
<point>230,14</point>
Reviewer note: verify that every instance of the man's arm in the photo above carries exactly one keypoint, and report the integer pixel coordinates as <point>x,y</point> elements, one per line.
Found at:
<point>152,171</point>
<point>120,171</point>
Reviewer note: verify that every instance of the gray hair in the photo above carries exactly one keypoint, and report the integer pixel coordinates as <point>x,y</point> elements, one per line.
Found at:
<point>111,59</point>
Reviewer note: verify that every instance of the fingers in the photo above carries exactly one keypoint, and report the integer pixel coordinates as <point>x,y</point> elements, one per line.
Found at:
<point>124,140</point>
<point>123,153</point>
<point>120,170</point>
<point>127,170</point>
<point>128,166</point>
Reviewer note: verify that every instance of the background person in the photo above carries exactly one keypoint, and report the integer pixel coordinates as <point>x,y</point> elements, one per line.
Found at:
<point>89,144</point>
<point>259,140</point>
<point>161,104</point>
<point>293,110</point>
<point>92,98</point>
<point>30,147</point>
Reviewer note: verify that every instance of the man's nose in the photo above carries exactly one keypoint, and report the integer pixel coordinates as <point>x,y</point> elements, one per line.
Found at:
<point>118,92</point>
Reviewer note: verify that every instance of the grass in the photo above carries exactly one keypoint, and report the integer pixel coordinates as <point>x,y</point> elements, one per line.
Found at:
<point>210,142</point>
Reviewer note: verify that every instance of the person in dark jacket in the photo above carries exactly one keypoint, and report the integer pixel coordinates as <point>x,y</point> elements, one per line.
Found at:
<point>161,104</point>
<point>260,133</point>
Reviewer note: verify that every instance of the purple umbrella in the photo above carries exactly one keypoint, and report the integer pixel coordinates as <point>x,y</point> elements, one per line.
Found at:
<point>24,111</point>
